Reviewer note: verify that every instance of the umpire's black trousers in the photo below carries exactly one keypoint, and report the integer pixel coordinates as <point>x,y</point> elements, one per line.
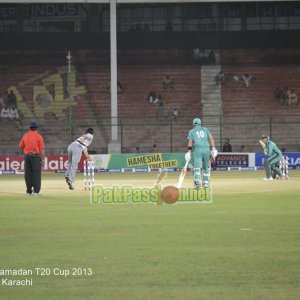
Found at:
<point>33,169</point>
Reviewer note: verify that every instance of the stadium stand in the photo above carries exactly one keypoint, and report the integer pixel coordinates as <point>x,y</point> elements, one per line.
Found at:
<point>42,94</point>
<point>250,111</point>
<point>41,91</point>
<point>259,97</point>
<point>140,124</point>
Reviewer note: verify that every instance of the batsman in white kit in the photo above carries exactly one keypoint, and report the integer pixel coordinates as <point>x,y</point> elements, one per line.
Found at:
<point>75,150</point>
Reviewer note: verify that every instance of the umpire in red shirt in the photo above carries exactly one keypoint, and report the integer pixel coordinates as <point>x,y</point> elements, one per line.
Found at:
<point>34,151</point>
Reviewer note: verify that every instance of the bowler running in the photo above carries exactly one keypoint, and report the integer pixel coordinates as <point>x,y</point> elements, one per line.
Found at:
<point>75,150</point>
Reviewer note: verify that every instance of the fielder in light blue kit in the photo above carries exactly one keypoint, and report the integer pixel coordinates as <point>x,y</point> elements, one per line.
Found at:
<point>75,150</point>
<point>202,143</point>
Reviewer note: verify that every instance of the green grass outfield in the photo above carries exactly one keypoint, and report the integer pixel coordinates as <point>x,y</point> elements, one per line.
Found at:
<point>244,245</point>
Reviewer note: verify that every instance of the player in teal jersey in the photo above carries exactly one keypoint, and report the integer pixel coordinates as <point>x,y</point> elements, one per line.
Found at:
<point>202,143</point>
<point>274,156</point>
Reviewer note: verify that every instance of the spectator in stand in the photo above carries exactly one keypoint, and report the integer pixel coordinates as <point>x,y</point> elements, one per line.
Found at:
<point>284,97</point>
<point>157,99</point>
<point>11,99</point>
<point>203,57</point>
<point>167,82</point>
<point>211,58</point>
<point>119,87</point>
<point>219,78</point>
<point>174,114</point>
<point>5,112</point>
<point>14,113</point>
<point>243,148</point>
<point>151,97</point>
<point>196,54</point>
<point>292,99</point>
<point>21,116</point>
<point>247,78</point>
<point>288,93</point>
<point>227,147</point>
<point>10,112</point>
<point>2,102</point>
<point>155,149</point>
<point>236,78</point>
<point>7,97</point>
<point>278,93</point>
<point>161,110</point>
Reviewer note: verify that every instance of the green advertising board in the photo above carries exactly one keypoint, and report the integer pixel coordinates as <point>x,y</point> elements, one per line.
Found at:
<point>140,161</point>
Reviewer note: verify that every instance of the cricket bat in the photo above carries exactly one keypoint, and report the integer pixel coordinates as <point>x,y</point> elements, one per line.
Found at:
<point>212,160</point>
<point>160,178</point>
<point>182,175</point>
<point>264,146</point>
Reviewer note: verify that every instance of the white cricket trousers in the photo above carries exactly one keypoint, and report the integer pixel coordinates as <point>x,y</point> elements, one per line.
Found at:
<point>74,156</point>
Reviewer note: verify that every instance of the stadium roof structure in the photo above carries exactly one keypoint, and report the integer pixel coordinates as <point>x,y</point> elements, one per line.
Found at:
<point>113,40</point>
<point>135,1</point>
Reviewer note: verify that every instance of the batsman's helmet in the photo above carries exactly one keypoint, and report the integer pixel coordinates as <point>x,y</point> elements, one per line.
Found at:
<point>196,121</point>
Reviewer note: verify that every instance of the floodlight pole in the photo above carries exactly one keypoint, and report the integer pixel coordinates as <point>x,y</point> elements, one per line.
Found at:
<point>113,70</point>
<point>69,90</point>
<point>114,145</point>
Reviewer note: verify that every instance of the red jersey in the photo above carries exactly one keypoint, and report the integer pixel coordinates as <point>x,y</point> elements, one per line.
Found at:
<point>32,142</point>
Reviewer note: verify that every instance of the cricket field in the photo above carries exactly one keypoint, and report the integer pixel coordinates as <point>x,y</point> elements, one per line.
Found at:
<point>244,245</point>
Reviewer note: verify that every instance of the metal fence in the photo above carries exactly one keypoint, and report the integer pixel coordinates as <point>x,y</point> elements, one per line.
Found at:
<point>246,130</point>
<point>149,134</point>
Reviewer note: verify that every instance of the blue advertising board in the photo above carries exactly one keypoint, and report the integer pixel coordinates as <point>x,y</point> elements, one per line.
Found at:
<point>293,159</point>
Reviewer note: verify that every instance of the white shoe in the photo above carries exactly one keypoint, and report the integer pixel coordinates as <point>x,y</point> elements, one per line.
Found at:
<point>271,178</point>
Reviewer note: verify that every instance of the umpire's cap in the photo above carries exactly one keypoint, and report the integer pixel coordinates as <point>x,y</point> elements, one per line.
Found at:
<point>196,121</point>
<point>33,124</point>
<point>90,130</point>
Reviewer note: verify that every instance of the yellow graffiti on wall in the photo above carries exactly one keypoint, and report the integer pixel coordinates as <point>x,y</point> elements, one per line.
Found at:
<point>52,96</point>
